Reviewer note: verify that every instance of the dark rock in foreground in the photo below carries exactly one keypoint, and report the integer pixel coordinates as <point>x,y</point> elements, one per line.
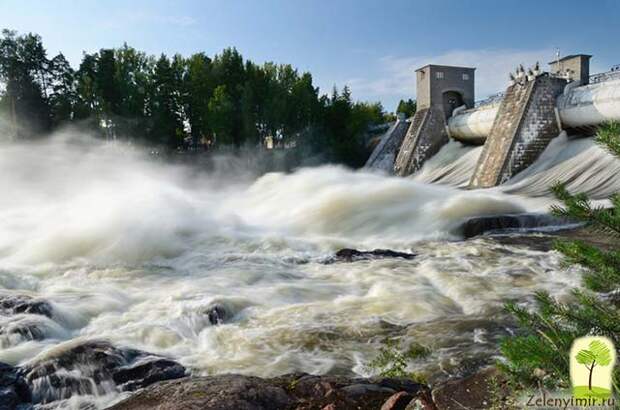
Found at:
<point>14,390</point>
<point>11,305</point>
<point>352,255</point>
<point>483,390</point>
<point>298,391</point>
<point>95,368</point>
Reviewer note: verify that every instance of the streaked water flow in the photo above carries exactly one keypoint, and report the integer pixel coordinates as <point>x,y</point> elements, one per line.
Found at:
<point>135,251</point>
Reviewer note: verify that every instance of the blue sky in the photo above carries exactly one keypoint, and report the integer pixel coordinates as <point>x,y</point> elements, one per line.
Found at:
<point>373,46</point>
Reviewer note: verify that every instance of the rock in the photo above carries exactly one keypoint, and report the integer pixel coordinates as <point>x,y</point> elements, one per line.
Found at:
<point>421,403</point>
<point>14,390</point>
<point>294,391</point>
<point>473,392</point>
<point>398,401</point>
<point>217,314</point>
<point>498,223</point>
<point>23,318</point>
<point>360,389</point>
<point>352,255</point>
<point>16,331</point>
<point>226,392</point>
<point>12,304</point>
<point>154,369</point>
<point>95,368</point>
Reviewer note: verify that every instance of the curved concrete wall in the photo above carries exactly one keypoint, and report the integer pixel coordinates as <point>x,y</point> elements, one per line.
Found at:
<point>590,105</point>
<point>473,126</point>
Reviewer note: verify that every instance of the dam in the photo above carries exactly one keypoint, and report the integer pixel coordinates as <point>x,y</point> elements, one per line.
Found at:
<point>514,126</point>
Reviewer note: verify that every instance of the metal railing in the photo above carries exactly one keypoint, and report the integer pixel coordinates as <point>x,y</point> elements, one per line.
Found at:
<point>612,74</point>
<point>495,98</point>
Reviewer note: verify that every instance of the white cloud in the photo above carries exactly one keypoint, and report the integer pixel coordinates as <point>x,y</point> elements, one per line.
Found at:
<point>396,78</point>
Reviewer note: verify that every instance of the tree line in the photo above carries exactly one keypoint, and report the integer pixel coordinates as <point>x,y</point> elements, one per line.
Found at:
<point>179,103</point>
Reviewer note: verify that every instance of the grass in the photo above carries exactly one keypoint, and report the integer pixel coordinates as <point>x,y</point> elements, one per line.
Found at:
<point>583,392</point>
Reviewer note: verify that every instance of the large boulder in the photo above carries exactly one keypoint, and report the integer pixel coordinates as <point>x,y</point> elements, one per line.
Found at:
<point>295,391</point>
<point>14,390</point>
<point>15,304</point>
<point>94,368</point>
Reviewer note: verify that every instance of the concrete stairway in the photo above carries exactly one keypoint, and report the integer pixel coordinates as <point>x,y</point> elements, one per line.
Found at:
<point>525,124</point>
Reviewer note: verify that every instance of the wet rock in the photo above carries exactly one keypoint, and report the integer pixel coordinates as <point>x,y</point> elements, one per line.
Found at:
<point>95,368</point>
<point>14,304</point>
<point>15,331</point>
<point>473,392</point>
<point>217,314</point>
<point>352,255</point>
<point>500,223</point>
<point>146,372</point>
<point>398,401</point>
<point>14,390</point>
<point>295,391</point>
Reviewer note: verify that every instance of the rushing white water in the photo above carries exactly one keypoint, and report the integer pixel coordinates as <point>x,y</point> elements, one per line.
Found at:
<point>580,163</point>
<point>453,165</point>
<point>135,251</point>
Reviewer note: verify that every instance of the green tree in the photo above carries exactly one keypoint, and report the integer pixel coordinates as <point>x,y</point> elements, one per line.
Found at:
<point>546,333</point>
<point>596,354</point>
<point>221,111</point>
<point>24,69</point>
<point>198,84</point>
<point>229,71</point>
<point>165,107</point>
<point>133,71</point>
<point>124,93</point>
<point>63,96</point>
<point>408,107</point>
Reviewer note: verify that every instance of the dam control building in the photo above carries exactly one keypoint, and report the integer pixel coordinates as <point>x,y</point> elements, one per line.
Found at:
<point>515,125</point>
<point>440,90</point>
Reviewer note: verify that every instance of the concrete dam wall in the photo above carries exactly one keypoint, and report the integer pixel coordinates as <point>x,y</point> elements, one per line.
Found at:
<point>578,107</point>
<point>515,126</point>
<point>384,154</point>
<point>524,126</point>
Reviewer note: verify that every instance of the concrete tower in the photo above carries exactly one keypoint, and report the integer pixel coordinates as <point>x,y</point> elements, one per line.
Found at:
<point>445,87</point>
<point>440,89</point>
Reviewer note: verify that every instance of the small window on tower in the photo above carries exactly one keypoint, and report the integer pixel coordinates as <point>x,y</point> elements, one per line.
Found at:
<point>439,75</point>
<point>465,77</point>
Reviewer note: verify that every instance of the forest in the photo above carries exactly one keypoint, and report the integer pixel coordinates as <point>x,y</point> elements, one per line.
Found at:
<point>180,104</point>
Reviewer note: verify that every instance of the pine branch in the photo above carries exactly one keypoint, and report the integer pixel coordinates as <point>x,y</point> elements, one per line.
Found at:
<point>608,136</point>
<point>604,266</point>
<point>578,207</point>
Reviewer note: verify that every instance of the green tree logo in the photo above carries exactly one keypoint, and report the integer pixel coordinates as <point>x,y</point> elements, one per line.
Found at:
<point>592,359</point>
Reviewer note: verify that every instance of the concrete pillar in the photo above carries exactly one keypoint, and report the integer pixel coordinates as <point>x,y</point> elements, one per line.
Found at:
<point>525,124</point>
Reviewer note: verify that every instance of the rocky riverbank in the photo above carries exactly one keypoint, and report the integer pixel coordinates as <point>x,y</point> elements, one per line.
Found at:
<point>139,380</point>
<point>307,392</point>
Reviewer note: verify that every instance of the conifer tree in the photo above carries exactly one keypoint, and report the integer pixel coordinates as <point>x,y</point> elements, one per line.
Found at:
<point>539,354</point>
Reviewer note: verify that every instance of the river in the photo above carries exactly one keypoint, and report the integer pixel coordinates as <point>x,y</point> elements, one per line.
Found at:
<point>135,251</point>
